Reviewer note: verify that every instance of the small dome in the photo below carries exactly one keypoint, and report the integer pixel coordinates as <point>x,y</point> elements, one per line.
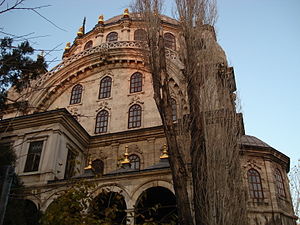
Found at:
<point>253,141</point>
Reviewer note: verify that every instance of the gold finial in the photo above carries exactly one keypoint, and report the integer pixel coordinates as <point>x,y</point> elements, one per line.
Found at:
<point>126,160</point>
<point>101,19</point>
<point>126,13</point>
<point>89,167</point>
<point>68,46</point>
<point>164,154</point>
<point>80,31</point>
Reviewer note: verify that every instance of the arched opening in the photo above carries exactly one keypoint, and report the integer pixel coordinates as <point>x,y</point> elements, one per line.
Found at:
<point>21,211</point>
<point>140,35</point>
<point>76,94</point>
<point>105,87</point>
<point>112,36</point>
<point>279,183</point>
<point>110,205</point>
<point>156,204</point>
<point>135,116</point>
<point>88,45</point>
<point>136,82</point>
<point>170,41</point>
<point>135,161</point>
<point>98,166</point>
<point>255,185</point>
<point>101,122</point>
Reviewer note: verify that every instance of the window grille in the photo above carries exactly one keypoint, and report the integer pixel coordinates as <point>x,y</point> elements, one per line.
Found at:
<point>101,122</point>
<point>105,87</point>
<point>76,94</point>
<point>255,185</point>
<point>136,83</point>
<point>134,116</point>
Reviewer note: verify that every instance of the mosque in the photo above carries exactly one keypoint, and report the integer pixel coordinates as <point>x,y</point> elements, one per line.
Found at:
<point>96,107</point>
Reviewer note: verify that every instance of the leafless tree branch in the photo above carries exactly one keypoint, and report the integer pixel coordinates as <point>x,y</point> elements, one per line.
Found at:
<point>18,5</point>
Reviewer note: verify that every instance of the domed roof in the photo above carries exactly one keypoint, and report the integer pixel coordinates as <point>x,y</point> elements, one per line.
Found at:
<point>136,16</point>
<point>253,141</point>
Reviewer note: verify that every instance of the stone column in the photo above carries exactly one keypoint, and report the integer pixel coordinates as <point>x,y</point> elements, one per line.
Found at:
<point>130,216</point>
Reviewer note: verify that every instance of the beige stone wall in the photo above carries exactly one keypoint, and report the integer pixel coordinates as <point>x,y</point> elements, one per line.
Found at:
<point>273,207</point>
<point>117,105</point>
<point>148,150</point>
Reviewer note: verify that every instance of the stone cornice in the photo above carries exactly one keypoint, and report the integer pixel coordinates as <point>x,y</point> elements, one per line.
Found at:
<point>59,116</point>
<point>127,136</point>
<point>268,153</point>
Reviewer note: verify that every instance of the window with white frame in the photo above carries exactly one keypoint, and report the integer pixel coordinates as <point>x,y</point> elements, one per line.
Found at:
<point>33,156</point>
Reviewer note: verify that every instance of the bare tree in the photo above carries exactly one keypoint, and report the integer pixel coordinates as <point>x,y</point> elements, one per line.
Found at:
<point>16,5</point>
<point>213,128</point>
<point>216,172</point>
<point>155,59</point>
<point>294,177</point>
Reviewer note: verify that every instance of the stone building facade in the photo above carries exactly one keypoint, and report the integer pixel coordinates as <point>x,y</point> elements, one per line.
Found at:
<point>97,104</point>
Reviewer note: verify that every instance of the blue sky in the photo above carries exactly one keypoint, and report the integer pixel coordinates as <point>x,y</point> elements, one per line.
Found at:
<point>260,37</point>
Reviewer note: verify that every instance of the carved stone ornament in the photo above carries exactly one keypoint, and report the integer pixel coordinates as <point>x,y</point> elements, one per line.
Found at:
<point>103,105</point>
<point>134,148</point>
<point>98,155</point>
<point>125,24</point>
<point>135,100</point>
<point>73,110</point>
<point>251,163</point>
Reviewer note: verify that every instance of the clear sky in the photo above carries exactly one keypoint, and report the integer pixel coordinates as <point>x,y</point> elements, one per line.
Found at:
<point>260,37</point>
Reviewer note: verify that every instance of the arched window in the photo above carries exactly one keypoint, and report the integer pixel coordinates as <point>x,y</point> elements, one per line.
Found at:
<point>170,41</point>
<point>98,166</point>
<point>134,116</point>
<point>174,109</point>
<point>76,94</point>
<point>105,87</point>
<point>112,36</point>
<point>255,186</point>
<point>134,162</point>
<point>140,35</point>
<point>136,81</point>
<point>89,44</point>
<point>279,183</point>
<point>101,122</point>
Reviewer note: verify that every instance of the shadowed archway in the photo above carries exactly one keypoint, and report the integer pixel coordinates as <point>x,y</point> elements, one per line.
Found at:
<point>156,204</point>
<point>110,206</point>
